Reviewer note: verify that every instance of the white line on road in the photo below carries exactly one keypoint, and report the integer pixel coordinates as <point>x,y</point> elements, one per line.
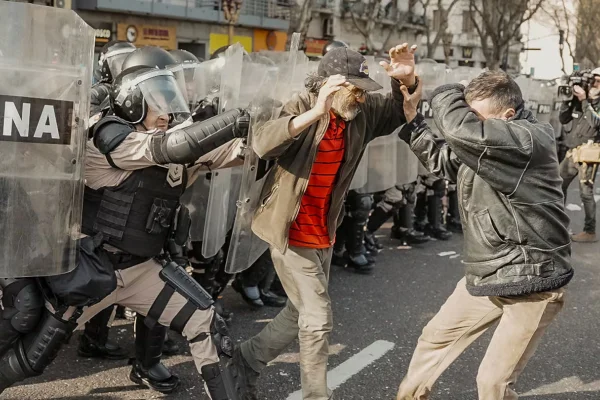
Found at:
<point>340,374</point>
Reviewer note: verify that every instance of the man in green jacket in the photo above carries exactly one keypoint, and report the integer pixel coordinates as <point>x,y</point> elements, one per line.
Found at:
<point>317,143</point>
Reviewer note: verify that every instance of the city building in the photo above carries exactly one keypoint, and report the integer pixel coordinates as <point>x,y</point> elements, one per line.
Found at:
<point>199,26</point>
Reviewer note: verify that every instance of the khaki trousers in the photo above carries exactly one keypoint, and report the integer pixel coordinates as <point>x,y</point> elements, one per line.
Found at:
<point>304,274</point>
<point>138,287</point>
<point>461,320</point>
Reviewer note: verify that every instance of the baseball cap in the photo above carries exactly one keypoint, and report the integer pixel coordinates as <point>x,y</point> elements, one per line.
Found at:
<point>349,63</point>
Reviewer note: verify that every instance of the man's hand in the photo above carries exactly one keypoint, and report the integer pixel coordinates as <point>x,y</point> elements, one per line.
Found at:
<point>411,101</point>
<point>579,92</point>
<point>402,65</point>
<point>325,100</point>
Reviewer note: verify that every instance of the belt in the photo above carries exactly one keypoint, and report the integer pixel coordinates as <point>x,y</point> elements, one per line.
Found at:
<point>122,261</point>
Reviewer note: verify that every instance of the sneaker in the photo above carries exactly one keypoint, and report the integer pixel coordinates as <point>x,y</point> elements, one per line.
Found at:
<point>270,299</point>
<point>244,377</point>
<point>584,237</point>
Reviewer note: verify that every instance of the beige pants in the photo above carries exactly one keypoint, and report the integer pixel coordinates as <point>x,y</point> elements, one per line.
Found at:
<point>304,274</point>
<point>137,288</point>
<point>461,320</point>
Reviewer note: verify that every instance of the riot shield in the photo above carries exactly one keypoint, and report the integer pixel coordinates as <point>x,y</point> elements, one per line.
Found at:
<point>271,81</point>
<point>217,211</point>
<point>431,75</point>
<point>45,80</point>
<point>202,82</point>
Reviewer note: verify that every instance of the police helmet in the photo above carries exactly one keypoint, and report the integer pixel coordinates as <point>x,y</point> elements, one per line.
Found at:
<point>183,56</point>
<point>149,56</point>
<point>140,88</point>
<point>111,59</point>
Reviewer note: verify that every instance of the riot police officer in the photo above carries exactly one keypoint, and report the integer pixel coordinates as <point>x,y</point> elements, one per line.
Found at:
<point>135,175</point>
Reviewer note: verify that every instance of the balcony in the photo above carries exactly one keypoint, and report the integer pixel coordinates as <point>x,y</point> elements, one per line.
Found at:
<point>266,14</point>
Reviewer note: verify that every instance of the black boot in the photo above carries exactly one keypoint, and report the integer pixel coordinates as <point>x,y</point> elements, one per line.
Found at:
<point>251,295</point>
<point>214,381</point>
<point>378,217</point>
<point>147,369</point>
<point>403,230</point>
<point>339,257</point>
<point>270,299</point>
<point>453,223</point>
<point>94,343</point>
<point>170,346</point>
<point>434,213</point>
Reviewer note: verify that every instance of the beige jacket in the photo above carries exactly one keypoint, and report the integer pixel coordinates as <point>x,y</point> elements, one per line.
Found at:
<point>286,182</point>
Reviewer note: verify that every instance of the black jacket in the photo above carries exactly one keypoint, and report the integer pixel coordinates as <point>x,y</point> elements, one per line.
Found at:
<point>511,204</point>
<point>585,119</point>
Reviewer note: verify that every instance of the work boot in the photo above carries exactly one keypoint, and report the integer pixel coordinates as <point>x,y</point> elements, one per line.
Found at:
<point>251,294</point>
<point>339,258</point>
<point>453,225</point>
<point>371,243</point>
<point>439,233</point>
<point>360,264</point>
<point>170,347</point>
<point>584,237</point>
<point>244,377</point>
<point>270,299</point>
<point>93,349</point>
<point>409,236</point>
<point>158,377</point>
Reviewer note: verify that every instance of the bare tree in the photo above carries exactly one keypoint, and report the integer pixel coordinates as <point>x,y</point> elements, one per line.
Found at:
<point>565,21</point>
<point>588,41</point>
<point>498,24</point>
<point>301,14</point>
<point>373,17</point>
<point>437,34</point>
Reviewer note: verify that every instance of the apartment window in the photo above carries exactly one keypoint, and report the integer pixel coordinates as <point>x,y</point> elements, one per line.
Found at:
<point>437,20</point>
<point>468,25</point>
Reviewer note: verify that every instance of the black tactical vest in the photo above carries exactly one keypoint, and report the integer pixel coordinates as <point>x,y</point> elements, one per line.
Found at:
<point>135,216</point>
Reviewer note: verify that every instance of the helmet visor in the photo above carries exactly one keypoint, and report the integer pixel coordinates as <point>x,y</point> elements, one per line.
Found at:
<point>163,96</point>
<point>177,71</point>
<point>115,60</point>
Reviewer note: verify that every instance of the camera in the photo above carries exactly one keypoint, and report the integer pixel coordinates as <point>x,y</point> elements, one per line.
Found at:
<point>583,78</point>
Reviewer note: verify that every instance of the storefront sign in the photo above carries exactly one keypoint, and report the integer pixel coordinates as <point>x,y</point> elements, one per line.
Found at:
<point>314,47</point>
<point>148,35</point>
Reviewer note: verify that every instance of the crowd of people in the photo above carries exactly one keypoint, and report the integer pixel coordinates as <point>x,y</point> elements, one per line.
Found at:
<point>489,171</point>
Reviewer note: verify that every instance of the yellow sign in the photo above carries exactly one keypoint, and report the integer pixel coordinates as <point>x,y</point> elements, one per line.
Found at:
<point>148,35</point>
<point>218,40</point>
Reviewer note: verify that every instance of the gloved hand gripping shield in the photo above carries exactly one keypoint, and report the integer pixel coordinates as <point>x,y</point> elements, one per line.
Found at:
<point>45,79</point>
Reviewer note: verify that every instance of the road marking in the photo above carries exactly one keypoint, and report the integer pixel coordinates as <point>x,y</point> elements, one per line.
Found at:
<point>446,253</point>
<point>573,207</point>
<point>596,197</point>
<point>572,384</point>
<point>340,374</point>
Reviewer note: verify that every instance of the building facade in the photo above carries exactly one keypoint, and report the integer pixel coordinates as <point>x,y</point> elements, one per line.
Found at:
<point>198,26</point>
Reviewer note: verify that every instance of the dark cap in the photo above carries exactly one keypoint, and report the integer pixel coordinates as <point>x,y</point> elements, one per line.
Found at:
<point>349,63</point>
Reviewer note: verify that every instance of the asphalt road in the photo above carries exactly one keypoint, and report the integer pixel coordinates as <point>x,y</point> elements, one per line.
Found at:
<point>383,313</point>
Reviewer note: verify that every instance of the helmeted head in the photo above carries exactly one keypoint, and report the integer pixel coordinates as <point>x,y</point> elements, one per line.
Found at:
<point>494,95</point>
<point>334,44</point>
<point>183,56</point>
<point>149,56</point>
<point>112,56</point>
<point>148,97</point>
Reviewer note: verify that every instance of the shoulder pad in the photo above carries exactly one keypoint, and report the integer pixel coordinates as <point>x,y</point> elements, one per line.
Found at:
<point>109,132</point>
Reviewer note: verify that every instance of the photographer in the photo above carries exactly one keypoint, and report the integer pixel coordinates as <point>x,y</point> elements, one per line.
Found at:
<point>582,112</point>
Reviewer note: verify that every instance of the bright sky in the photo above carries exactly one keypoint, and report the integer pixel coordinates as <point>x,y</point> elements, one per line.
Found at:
<point>546,62</point>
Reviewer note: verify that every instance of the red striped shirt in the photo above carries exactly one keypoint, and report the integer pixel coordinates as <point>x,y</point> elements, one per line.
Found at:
<point>310,227</point>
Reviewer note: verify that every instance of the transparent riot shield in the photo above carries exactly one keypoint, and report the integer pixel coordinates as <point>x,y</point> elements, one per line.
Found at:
<point>544,95</point>
<point>272,81</point>
<point>45,80</point>
<point>362,173</point>
<point>407,163</point>
<point>202,84</point>
<point>215,227</point>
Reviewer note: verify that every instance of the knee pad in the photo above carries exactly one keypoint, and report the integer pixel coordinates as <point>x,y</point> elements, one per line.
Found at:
<point>219,333</point>
<point>23,304</point>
